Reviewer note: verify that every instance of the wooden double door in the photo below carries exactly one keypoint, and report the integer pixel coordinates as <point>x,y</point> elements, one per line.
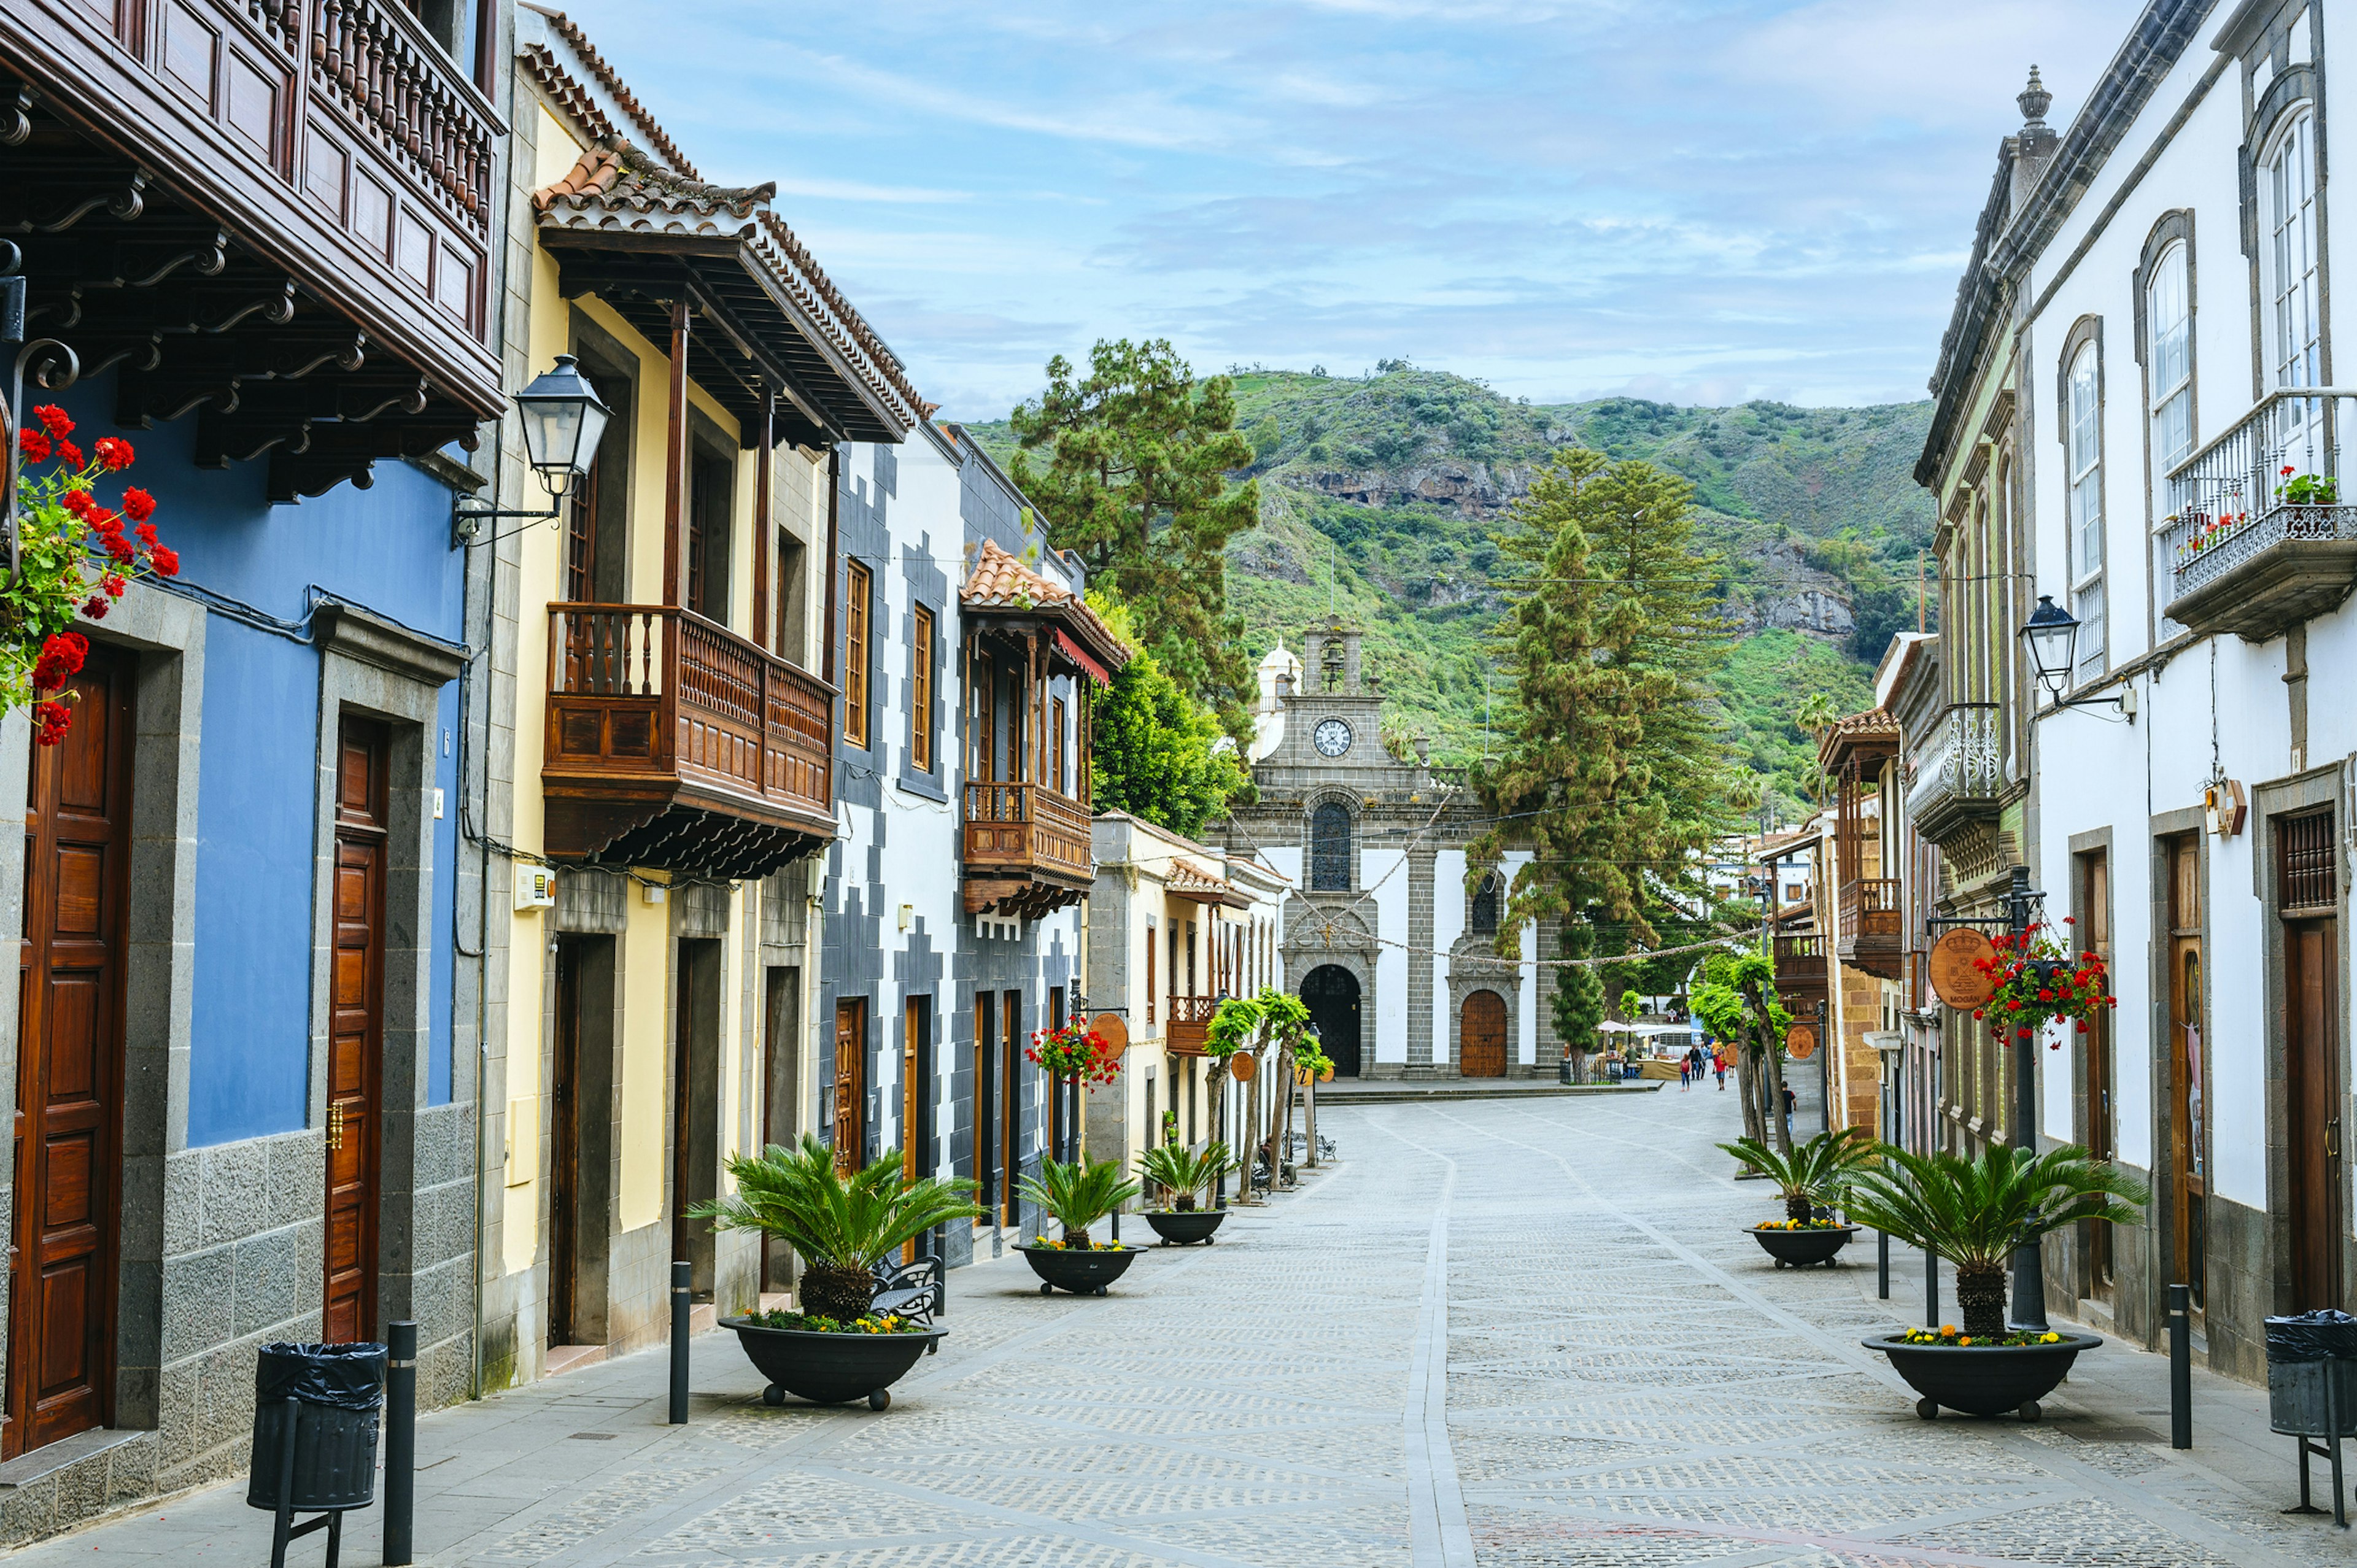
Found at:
<point>1481,1035</point>
<point>356,1032</point>
<point>65,1227</point>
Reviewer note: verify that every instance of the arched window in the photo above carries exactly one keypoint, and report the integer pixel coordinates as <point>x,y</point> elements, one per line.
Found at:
<point>1329,848</point>
<point>2169,317</point>
<point>1485,906</point>
<point>2084,446</point>
<point>2295,325</point>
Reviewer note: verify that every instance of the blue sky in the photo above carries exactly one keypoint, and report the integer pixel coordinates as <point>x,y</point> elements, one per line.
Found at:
<point>1695,201</point>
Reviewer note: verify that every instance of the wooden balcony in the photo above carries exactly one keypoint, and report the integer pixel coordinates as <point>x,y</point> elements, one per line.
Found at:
<point>675,745</point>
<point>1190,1026</point>
<point>1800,973</point>
<point>1871,917</point>
<point>2251,549</point>
<point>1027,850</point>
<point>274,211</point>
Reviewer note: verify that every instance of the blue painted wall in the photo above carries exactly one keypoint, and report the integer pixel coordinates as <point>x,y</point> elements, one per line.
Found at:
<point>386,548</point>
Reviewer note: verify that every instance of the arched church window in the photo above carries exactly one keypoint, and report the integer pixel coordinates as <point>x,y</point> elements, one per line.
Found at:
<point>1485,906</point>
<point>1329,848</point>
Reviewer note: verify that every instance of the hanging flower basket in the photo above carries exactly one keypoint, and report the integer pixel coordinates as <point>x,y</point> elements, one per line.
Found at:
<point>1075,1054</point>
<point>2039,982</point>
<point>74,560</point>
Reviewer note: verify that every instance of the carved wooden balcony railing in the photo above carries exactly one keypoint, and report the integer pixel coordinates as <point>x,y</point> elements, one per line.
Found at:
<point>1959,772</point>
<point>277,211</point>
<point>674,744</point>
<point>2250,549</point>
<point>1872,913</point>
<point>1189,1027</point>
<point>1028,849</point>
<point>1801,976</point>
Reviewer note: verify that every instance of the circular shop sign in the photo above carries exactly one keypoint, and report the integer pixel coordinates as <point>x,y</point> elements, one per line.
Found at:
<point>1801,1042</point>
<point>1955,977</point>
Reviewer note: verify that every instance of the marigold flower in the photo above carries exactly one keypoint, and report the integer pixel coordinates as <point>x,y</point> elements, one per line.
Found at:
<point>34,445</point>
<point>138,505</point>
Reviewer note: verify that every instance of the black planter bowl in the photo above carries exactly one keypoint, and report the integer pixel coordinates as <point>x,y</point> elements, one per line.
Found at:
<point>1185,1227</point>
<point>1083,1273</point>
<point>1982,1379</point>
<point>829,1368</point>
<point>1800,1249</point>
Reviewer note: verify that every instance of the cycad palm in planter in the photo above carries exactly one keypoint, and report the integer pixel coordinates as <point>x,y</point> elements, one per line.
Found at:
<point>1977,1213</point>
<point>1181,1174</point>
<point>1076,1196</point>
<point>1810,1176</point>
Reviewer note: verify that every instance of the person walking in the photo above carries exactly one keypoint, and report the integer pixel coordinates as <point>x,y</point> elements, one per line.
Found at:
<point>1685,1076</point>
<point>1718,1062</point>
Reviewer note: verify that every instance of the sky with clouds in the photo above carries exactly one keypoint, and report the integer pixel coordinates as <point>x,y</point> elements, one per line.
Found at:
<point>1695,201</point>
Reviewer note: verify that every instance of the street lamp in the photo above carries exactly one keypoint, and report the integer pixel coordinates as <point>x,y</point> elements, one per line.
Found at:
<point>2053,634</point>
<point>562,423</point>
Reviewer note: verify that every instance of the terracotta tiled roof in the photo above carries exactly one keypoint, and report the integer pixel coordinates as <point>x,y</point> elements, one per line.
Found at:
<point>565,88</point>
<point>1872,732</point>
<point>655,136</point>
<point>1000,582</point>
<point>616,189</point>
<point>1190,881</point>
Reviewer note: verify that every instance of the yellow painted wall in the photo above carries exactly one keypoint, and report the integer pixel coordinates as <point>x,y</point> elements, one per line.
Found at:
<point>645,959</point>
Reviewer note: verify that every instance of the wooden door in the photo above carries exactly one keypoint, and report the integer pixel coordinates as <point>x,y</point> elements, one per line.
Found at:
<point>564,1146</point>
<point>1481,1035</point>
<point>65,1227</point>
<point>913,1151</point>
<point>2096,936</point>
<point>355,1034</point>
<point>2312,1095</point>
<point>986,1109</point>
<point>850,1083</point>
<point>1011,1105</point>
<point>780,1008</point>
<point>2188,1132</point>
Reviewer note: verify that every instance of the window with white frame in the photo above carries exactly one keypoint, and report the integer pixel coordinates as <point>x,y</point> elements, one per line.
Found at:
<point>2295,306</point>
<point>2168,361</point>
<point>2086,449</point>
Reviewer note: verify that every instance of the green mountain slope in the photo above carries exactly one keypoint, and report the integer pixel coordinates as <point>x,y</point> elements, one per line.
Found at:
<point>1380,493</point>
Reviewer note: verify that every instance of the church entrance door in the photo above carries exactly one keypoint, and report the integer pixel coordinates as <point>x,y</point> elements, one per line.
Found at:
<point>1332,992</point>
<point>1481,1035</point>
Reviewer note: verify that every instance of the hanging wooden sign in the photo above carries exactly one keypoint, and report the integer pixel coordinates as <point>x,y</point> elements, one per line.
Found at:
<point>1108,1027</point>
<point>1957,978</point>
<point>1243,1066</point>
<point>1801,1042</point>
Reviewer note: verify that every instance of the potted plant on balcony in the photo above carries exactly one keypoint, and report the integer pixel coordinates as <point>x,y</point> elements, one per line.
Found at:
<point>1809,1179</point>
<point>836,1350</point>
<point>1179,1173</point>
<point>1076,1196</point>
<point>2307,489</point>
<point>74,560</point>
<point>1977,1213</point>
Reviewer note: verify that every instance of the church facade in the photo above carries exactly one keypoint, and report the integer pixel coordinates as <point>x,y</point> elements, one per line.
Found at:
<point>1394,953</point>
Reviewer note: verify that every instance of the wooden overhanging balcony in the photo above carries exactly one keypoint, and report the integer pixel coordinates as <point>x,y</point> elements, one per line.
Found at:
<point>1188,1031</point>
<point>275,214</point>
<point>1801,980</point>
<point>1872,917</point>
<point>1959,771</point>
<point>675,745</point>
<point>1027,850</point>
<point>2250,549</point>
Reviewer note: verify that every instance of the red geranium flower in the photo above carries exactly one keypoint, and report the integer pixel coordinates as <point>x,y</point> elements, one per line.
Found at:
<point>53,420</point>
<point>94,607</point>
<point>113,585</point>
<point>51,721</point>
<point>138,505</point>
<point>114,452</point>
<point>70,454</point>
<point>34,445</point>
<point>166,560</point>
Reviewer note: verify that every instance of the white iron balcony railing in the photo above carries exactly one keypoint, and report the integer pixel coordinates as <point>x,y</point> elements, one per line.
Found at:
<point>2259,534</point>
<point>1960,772</point>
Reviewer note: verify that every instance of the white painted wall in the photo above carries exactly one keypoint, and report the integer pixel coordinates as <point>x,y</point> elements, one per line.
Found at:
<point>1447,925</point>
<point>1383,882</point>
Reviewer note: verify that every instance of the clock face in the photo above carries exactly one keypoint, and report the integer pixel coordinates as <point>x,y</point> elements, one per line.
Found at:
<point>1332,737</point>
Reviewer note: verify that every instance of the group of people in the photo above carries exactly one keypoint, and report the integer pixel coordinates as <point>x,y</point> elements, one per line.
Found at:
<point>1694,1066</point>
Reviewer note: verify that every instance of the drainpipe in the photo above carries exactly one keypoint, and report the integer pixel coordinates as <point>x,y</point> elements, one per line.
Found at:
<point>834,545</point>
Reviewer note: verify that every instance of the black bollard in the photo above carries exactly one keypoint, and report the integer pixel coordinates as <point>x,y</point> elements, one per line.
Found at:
<point>680,1307</point>
<point>1882,1264</point>
<point>1931,1288</point>
<point>2180,1367</point>
<point>400,1440</point>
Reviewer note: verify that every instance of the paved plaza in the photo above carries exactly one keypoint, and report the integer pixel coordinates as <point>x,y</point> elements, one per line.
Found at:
<point>1510,1332</point>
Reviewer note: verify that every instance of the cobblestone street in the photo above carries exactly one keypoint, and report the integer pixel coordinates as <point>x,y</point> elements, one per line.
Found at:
<point>1626,1382</point>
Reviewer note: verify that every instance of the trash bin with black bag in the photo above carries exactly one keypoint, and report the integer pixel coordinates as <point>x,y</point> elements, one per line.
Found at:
<point>315,1428</point>
<point>2313,1391</point>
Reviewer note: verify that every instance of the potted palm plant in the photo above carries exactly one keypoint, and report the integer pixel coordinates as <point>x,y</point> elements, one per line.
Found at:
<point>1809,1179</point>
<point>1179,1173</point>
<point>836,1350</point>
<point>1975,1213</point>
<point>1076,1196</point>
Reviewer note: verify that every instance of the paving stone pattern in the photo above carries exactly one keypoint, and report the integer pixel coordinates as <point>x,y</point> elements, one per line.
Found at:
<point>1627,1383</point>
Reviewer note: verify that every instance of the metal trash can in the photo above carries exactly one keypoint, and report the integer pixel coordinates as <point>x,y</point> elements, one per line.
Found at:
<point>323,1401</point>
<point>2312,1374</point>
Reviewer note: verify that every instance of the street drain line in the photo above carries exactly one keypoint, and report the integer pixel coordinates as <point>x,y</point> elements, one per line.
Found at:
<point>1439,1535</point>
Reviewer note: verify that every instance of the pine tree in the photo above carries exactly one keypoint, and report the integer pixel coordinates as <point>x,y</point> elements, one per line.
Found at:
<point>1137,485</point>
